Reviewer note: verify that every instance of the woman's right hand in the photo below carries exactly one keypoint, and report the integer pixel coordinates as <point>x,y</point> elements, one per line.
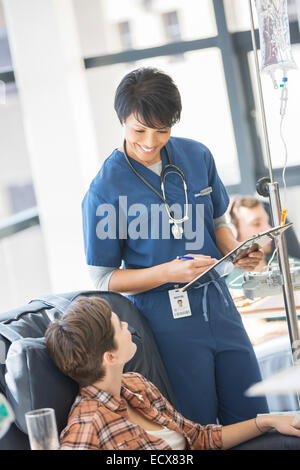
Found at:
<point>136,281</point>
<point>185,270</point>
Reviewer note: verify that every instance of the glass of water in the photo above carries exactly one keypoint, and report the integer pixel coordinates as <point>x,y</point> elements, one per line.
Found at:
<point>42,429</point>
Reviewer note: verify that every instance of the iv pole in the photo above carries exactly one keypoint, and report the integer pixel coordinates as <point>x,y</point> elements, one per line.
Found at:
<point>271,189</point>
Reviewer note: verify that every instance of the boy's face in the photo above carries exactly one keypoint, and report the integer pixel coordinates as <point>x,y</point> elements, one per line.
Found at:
<point>126,348</point>
<point>252,221</point>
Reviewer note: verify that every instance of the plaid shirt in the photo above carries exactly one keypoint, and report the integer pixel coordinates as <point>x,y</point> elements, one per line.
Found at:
<point>99,421</point>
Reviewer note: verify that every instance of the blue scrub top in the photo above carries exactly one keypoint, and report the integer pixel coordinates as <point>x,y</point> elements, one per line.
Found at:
<point>118,201</point>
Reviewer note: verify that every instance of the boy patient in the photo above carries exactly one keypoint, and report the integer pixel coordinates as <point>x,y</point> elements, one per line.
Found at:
<point>125,411</point>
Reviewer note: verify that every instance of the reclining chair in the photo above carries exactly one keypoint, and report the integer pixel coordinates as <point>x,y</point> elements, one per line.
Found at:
<point>30,380</point>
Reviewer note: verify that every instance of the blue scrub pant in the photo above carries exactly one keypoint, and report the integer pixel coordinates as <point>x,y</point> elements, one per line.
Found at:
<point>209,358</point>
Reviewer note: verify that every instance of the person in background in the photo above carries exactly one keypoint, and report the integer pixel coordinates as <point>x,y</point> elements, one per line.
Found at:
<point>248,217</point>
<point>116,411</point>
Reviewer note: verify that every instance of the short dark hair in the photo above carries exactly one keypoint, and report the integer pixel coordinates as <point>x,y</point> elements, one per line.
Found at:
<point>77,341</point>
<point>151,96</point>
<point>242,201</point>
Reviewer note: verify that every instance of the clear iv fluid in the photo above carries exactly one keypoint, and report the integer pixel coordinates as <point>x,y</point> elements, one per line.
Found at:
<point>274,35</point>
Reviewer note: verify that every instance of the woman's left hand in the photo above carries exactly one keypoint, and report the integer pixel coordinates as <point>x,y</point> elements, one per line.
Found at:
<point>255,261</point>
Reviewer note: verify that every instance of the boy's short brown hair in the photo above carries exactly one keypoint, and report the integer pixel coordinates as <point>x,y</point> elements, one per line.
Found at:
<point>77,341</point>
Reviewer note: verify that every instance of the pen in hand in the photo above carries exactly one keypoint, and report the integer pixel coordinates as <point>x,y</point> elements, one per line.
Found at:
<point>196,258</point>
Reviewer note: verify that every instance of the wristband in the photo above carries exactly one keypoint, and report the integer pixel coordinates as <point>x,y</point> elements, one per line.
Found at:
<point>258,426</point>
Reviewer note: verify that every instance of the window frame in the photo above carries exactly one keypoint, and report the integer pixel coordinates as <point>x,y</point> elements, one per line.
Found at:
<point>234,47</point>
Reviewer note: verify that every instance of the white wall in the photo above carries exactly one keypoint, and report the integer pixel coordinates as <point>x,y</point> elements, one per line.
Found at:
<point>58,126</point>
<point>23,260</point>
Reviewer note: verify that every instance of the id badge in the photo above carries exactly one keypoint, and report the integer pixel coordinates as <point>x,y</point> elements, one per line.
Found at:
<point>180,304</point>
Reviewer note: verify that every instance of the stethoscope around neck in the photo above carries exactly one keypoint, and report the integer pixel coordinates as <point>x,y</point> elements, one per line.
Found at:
<point>177,229</point>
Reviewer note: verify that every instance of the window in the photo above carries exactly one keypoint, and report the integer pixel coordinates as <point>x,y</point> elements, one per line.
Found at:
<point>206,114</point>
<point>293,10</point>
<point>171,26</point>
<point>152,23</point>
<point>238,15</point>
<point>172,32</point>
<point>21,197</point>
<point>125,35</point>
<point>272,108</point>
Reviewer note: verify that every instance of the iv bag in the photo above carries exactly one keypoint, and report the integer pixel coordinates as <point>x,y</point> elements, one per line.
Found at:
<point>274,35</point>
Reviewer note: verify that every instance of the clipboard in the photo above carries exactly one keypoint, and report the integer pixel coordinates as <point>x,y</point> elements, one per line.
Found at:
<point>246,247</point>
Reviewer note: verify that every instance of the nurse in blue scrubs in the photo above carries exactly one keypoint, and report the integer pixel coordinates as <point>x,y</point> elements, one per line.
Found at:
<point>157,198</point>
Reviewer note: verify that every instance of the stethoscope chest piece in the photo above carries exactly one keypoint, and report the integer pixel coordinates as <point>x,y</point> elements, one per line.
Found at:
<point>177,231</point>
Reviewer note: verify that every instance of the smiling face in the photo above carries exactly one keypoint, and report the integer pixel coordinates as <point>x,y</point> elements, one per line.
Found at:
<point>144,143</point>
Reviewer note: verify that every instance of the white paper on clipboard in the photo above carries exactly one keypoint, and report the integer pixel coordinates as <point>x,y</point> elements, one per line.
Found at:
<point>252,244</point>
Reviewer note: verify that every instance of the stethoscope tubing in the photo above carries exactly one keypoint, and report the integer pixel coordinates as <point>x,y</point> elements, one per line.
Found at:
<point>162,179</point>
